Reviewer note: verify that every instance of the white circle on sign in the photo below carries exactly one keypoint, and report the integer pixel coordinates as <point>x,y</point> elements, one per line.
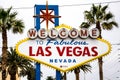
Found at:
<point>84,33</point>
<point>94,33</point>
<point>53,33</point>
<point>32,33</point>
<point>42,33</point>
<point>63,33</point>
<point>73,33</point>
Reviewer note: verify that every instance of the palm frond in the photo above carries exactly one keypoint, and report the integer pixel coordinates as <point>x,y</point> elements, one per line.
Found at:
<point>9,21</point>
<point>108,16</point>
<point>86,12</point>
<point>113,23</point>
<point>99,6</point>
<point>85,25</point>
<point>13,15</point>
<point>94,9</point>
<point>109,25</point>
<point>85,68</point>
<point>89,17</point>
<point>99,13</point>
<point>9,10</point>
<point>3,16</point>
<point>18,27</point>
<point>103,9</point>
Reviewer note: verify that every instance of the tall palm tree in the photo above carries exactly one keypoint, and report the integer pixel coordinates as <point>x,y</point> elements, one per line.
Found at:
<point>15,62</point>
<point>8,21</point>
<point>85,68</point>
<point>104,20</point>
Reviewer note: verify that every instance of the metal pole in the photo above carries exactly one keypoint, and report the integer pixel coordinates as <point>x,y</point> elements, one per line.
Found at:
<point>37,26</point>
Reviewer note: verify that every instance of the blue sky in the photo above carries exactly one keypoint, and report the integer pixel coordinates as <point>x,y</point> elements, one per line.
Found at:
<point>73,16</point>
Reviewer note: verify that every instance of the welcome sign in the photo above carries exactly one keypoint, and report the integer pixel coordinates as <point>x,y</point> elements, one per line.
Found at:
<point>63,48</point>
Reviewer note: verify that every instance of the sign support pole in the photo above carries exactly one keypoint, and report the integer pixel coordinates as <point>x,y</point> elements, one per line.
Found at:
<point>37,26</point>
<point>58,75</point>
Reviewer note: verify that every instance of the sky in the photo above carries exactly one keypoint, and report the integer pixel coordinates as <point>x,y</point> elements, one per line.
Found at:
<point>72,15</point>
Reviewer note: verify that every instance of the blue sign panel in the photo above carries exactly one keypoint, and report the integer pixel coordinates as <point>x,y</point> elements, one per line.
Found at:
<point>37,9</point>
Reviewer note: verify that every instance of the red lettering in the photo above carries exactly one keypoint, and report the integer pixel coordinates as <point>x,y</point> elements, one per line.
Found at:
<point>68,50</point>
<point>53,35</point>
<point>94,51</point>
<point>47,50</point>
<point>42,33</point>
<point>30,52</point>
<point>62,33</point>
<point>83,33</point>
<point>86,51</point>
<point>32,33</point>
<point>60,51</point>
<point>94,32</point>
<point>40,51</point>
<point>76,51</point>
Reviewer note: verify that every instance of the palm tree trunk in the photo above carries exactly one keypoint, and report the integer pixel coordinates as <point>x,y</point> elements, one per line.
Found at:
<point>77,71</point>
<point>4,52</point>
<point>99,28</point>
<point>77,76</point>
<point>12,71</point>
<point>12,77</point>
<point>100,68</point>
<point>100,62</point>
<point>65,78</point>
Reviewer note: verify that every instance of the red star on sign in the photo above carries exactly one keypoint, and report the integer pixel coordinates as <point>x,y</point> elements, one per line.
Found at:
<point>47,16</point>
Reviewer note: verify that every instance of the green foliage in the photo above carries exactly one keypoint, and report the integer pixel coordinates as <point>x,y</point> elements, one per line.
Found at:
<point>108,16</point>
<point>15,62</point>
<point>29,72</point>
<point>85,25</point>
<point>85,68</point>
<point>9,21</point>
<point>109,25</point>
<point>99,14</point>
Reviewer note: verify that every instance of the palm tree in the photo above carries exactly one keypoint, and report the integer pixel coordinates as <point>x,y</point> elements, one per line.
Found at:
<point>8,21</point>
<point>15,62</point>
<point>103,19</point>
<point>85,68</point>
